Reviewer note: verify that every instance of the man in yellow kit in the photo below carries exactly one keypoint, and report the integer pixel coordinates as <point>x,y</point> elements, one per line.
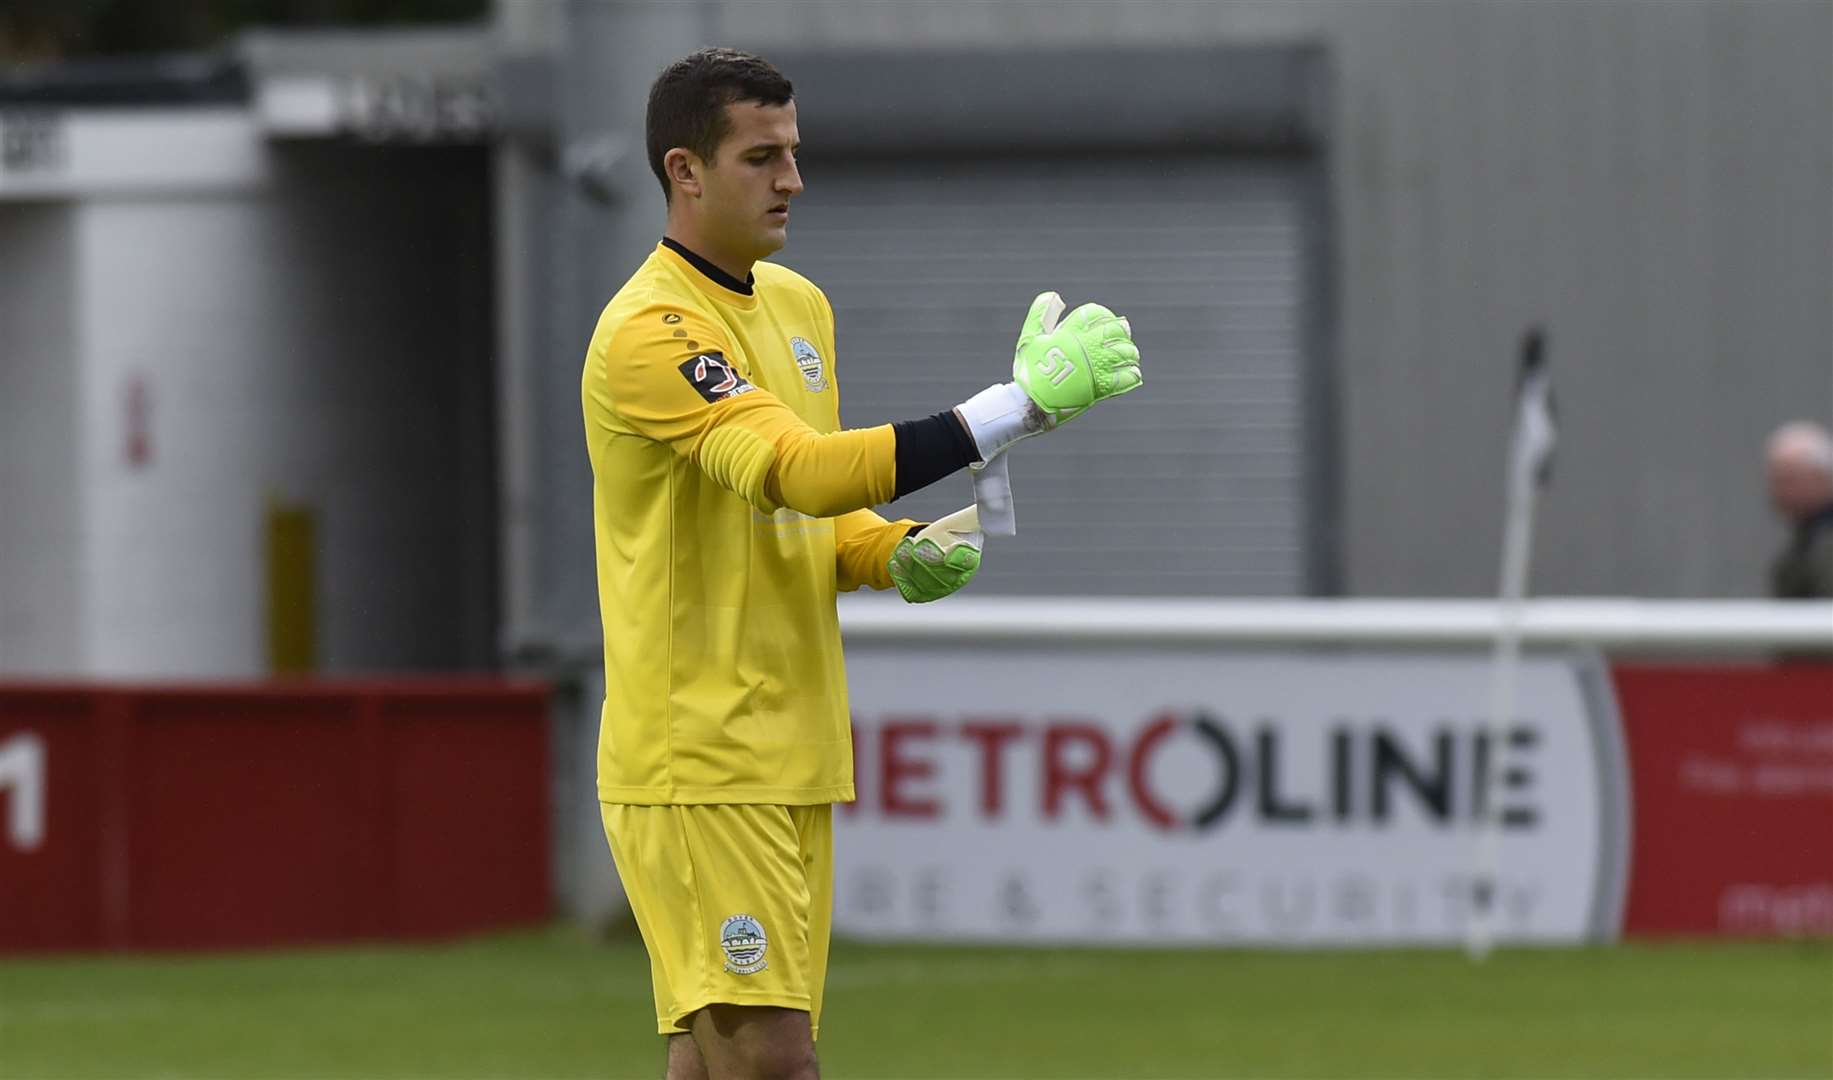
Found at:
<point>730,507</point>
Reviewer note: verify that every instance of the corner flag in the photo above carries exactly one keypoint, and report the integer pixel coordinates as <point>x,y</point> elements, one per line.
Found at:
<point>1531,449</point>
<point>1530,467</point>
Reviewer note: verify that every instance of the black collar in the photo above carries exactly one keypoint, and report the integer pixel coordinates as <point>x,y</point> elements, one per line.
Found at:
<point>715,274</point>
<point>1818,520</point>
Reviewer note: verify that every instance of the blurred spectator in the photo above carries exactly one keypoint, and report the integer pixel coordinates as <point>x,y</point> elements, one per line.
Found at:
<point>1800,467</point>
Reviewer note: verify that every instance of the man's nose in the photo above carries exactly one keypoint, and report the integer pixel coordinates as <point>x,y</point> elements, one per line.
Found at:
<point>790,183</point>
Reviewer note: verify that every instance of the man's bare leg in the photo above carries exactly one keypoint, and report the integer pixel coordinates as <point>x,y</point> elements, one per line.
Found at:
<point>753,1042</point>
<point>684,1061</point>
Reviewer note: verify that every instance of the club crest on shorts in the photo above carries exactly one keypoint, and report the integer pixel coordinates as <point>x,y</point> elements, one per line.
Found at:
<point>810,362</point>
<point>743,939</point>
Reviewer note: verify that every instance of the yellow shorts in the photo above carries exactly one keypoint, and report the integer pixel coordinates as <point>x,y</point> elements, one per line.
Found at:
<point>735,902</point>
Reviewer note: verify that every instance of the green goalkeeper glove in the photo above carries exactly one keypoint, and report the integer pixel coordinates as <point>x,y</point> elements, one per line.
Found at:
<point>939,559</point>
<point>1059,371</point>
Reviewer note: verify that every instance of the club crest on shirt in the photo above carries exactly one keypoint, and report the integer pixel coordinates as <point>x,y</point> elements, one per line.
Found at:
<point>809,361</point>
<point>744,942</point>
<point>714,377</point>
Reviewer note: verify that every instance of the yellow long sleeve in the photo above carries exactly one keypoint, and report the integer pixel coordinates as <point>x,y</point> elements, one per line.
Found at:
<point>744,438</point>
<point>863,542</point>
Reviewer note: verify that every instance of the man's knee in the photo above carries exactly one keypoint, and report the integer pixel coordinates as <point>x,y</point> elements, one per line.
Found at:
<point>684,1062</point>
<point>749,1042</point>
<point>782,1063</point>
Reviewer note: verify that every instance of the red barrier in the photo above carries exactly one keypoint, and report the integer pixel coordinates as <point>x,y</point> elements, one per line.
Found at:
<point>180,817</point>
<point>1732,799</point>
<point>183,817</point>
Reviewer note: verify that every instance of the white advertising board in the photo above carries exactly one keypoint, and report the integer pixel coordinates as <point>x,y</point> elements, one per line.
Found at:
<point>1152,795</point>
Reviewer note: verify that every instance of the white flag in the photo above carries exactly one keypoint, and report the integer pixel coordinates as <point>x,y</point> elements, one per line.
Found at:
<point>1531,449</point>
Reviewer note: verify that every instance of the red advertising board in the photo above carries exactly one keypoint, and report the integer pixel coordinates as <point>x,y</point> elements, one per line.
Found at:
<point>1732,783</point>
<point>183,817</point>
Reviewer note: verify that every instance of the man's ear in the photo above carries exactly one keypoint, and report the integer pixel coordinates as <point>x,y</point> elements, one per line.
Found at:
<point>683,170</point>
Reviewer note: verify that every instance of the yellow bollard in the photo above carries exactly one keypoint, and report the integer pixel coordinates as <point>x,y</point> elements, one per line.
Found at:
<point>292,607</point>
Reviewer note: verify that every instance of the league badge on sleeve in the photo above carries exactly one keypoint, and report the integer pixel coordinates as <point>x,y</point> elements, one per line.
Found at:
<point>809,361</point>
<point>743,939</point>
<point>714,377</point>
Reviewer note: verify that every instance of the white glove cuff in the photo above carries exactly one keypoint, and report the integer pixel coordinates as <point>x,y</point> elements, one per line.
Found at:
<point>999,416</point>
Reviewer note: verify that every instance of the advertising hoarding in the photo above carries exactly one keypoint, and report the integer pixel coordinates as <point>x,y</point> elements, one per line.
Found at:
<point>1153,795</point>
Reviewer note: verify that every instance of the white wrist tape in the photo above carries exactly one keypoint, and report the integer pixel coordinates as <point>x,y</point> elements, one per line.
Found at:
<point>993,498</point>
<point>999,416</point>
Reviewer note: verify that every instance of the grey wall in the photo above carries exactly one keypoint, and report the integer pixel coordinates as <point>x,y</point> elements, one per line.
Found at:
<point>1653,180</point>
<point>40,509</point>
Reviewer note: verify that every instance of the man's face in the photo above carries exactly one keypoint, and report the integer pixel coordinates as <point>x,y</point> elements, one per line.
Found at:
<point>1798,488</point>
<point>745,202</point>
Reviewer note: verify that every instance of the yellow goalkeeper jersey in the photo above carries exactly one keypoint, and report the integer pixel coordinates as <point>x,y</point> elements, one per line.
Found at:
<point>723,674</point>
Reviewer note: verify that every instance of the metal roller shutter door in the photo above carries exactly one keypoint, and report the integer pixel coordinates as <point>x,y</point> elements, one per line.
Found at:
<point>1193,485</point>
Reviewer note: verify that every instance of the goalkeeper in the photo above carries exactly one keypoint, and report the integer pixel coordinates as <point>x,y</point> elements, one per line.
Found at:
<point>729,508</point>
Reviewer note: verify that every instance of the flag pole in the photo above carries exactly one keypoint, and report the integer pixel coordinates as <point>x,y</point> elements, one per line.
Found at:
<point>1529,465</point>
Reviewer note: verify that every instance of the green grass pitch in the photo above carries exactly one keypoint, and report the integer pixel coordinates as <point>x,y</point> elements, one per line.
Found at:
<point>552,1003</point>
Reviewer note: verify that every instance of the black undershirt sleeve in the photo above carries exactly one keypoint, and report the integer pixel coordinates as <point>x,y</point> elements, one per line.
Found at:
<point>931,448</point>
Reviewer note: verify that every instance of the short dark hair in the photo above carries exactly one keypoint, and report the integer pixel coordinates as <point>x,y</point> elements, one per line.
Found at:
<point>687,104</point>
